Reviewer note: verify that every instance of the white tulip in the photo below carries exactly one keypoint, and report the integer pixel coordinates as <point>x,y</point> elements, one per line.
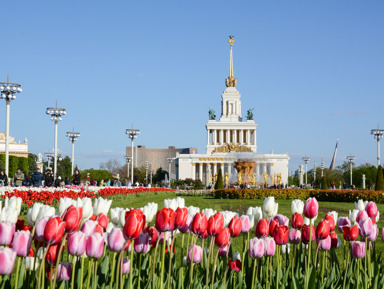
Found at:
<point>110,227</point>
<point>256,212</point>
<point>251,220</point>
<point>87,208</point>
<point>180,202</point>
<point>378,216</point>
<point>122,217</point>
<point>115,215</point>
<point>40,253</point>
<point>64,204</point>
<point>270,208</point>
<point>192,211</point>
<point>228,215</point>
<point>236,256</point>
<point>306,221</point>
<point>285,247</point>
<point>101,206</point>
<point>8,214</point>
<point>45,211</point>
<point>33,213</point>
<point>208,212</point>
<point>297,206</point>
<point>185,261</point>
<point>353,215</point>
<point>30,264</point>
<point>360,205</point>
<point>14,203</point>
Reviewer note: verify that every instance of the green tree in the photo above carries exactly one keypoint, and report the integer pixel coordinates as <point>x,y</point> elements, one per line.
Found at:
<point>64,168</point>
<point>324,184</point>
<point>219,182</point>
<point>97,175</point>
<point>159,176</point>
<point>139,175</point>
<point>379,179</point>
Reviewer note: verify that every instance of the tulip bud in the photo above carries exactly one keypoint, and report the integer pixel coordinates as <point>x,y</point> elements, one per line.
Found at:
<point>262,228</point>
<point>76,243</point>
<point>270,208</point>
<point>7,231</point>
<point>31,264</point>
<point>215,224</point>
<point>350,232</point>
<point>305,232</point>
<point>256,248</point>
<point>324,244</point>
<point>245,224</point>
<point>102,220</point>
<point>64,271</point>
<point>22,243</point>
<point>95,245</point>
<point>280,234</point>
<point>142,243</point>
<point>101,206</point>
<point>331,221</point>
<point>342,221</point>
<point>134,224</point>
<point>116,240</point>
<point>187,228</point>
<point>199,224</point>
<point>195,253</point>
<point>181,217</point>
<point>52,253</point>
<point>360,205</point>
<point>54,230</point>
<point>270,246</point>
<point>283,220</point>
<point>358,249</point>
<point>234,265</point>
<point>72,217</point>
<point>294,236</point>
<point>366,226</point>
<point>222,238</point>
<point>165,220</point>
<point>7,257</point>
<point>297,221</point>
<point>334,239</point>
<point>223,252</point>
<point>322,230</point>
<point>297,206</point>
<point>311,208</point>
<point>88,227</point>
<point>235,226</point>
<point>371,209</point>
<point>126,266</point>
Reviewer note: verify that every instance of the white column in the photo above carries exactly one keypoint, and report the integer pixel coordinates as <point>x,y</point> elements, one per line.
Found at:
<point>8,104</point>
<point>214,169</point>
<point>228,135</point>
<point>241,137</point>
<point>214,138</point>
<point>193,171</point>
<point>55,152</point>
<point>248,137</point>
<point>207,136</point>
<point>200,171</point>
<point>229,169</point>
<point>257,170</point>
<point>221,136</point>
<point>235,136</point>
<point>73,156</point>
<point>254,137</point>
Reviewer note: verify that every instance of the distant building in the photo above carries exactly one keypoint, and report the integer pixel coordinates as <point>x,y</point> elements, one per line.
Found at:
<point>157,157</point>
<point>17,149</point>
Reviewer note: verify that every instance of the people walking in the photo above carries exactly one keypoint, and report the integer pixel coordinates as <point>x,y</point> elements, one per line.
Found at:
<point>37,178</point>
<point>76,178</point>
<point>3,179</point>
<point>18,178</point>
<point>48,179</point>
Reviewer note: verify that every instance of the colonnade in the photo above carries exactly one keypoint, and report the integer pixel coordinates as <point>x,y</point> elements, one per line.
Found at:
<point>226,136</point>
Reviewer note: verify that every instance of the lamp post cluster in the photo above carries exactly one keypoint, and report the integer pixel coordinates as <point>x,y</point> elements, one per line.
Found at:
<point>132,134</point>
<point>73,136</point>
<point>378,134</point>
<point>8,92</point>
<point>350,158</point>
<point>306,160</point>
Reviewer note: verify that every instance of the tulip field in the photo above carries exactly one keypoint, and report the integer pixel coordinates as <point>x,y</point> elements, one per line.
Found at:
<point>156,239</point>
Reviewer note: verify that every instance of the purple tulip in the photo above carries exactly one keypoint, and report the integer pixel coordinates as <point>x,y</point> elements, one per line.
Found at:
<point>77,243</point>
<point>283,220</point>
<point>324,244</point>
<point>22,243</point>
<point>167,237</point>
<point>196,252</point>
<point>126,266</point>
<point>256,248</point>
<point>187,228</point>
<point>142,243</point>
<point>375,233</point>
<point>361,216</point>
<point>366,227</point>
<point>115,240</point>
<point>270,246</point>
<point>64,271</point>
<point>245,224</point>
<point>294,236</point>
<point>88,227</point>
<point>341,222</point>
<point>358,249</point>
<point>95,245</point>
<point>223,251</point>
<point>7,260</point>
<point>7,230</point>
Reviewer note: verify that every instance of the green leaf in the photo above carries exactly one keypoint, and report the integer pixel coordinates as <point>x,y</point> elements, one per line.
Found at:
<point>312,278</point>
<point>105,265</point>
<point>21,275</point>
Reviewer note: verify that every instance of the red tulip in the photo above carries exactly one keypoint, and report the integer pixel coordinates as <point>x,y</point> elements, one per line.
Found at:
<point>199,224</point>
<point>350,233</point>
<point>102,220</point>
<point>334,239</point>
<point>272,225</point>
<point>72,217</point>
<point>222,239</point>
<point>280,234</point>
<point>371,209</point>
<point>311,208</point>
<point>181,217</point>
<point>322,230</point>
<point>165,220</point>
<point>54,230</point>
<point>262,228</point>
<point>152,232</point>
<point>235,226</point>
<point>234,265</point>
<point>297,221</point>
<point>134,224</point>
<point>215,224</point>
<point>331,221</point>
<point>305,234</point>
<point>52,253</point>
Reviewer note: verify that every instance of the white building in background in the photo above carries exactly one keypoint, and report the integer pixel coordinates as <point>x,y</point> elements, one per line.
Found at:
<point>231,139</point>
<point>17,149</point>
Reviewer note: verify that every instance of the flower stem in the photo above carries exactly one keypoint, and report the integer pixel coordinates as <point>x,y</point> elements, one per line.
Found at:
<point>278,265</point>
<point>17,272</point>
<point>346,270</point>
<point>58,259</point>
<point>253,274</point>
<point>214,269</point>
<point>170,262</point>
<point>42,266</point>
<point>208,262</point>
<point>365,265</point>
<point>154,263</point>
<point>90,263</point>
<point>266,271</point>
<point>73,271</point>
<point>138,280</point>
<point>131,271</point>
<point>113,269</point>
<point>192,263</point>
<point>162,262</point>
<point>95,276</point>
<point>81,271</point>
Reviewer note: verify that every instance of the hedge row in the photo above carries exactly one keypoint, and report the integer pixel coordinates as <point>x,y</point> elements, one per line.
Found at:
<point>291,194</point>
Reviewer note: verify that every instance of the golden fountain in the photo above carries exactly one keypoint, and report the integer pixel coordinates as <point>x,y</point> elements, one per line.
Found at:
<point>245,169</point>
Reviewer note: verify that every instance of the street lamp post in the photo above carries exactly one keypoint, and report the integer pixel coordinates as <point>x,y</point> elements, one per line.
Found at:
<point>170,160</point>
<point>378,134</point>
<point>146,172</point>
<point>56,113</point>
<point>8,92</point>
<point>150,173</point>
<point>314,172</point>
<point>128,159</point>
<point>350,158</point>
<point>306,159</point>
<point>322,168</point>
<point>72,135</point>
<point>132,134</point>
<point>49,156</point>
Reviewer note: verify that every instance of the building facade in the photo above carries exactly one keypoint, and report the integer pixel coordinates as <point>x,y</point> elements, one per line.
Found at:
<point>17,149</point>
<point>231,138</point>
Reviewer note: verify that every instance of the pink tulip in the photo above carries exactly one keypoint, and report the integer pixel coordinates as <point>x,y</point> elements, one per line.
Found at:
<point>196,252</point>
<point>64,271</point>
<point>371,209</point>
<point>7,260</point>
<point>311,208</point>
<point>375,233</point>
<point>223,251</point>
<point>95,245</point>
<point>342,221</point>
<point>88,227</point>
<point>256,248</point>
<point>270,246</point>
<point>166,235</point>
<point>7,230</point>
<point>358,249</point>
<point>366,227</point>
<point>361,215</point>
<point>324,244</point>
<point>142,243</point>
<point>294,236</point>
<point>283,220</point>
<point>115,240</point>
<point>22,243</point>
<point>245,224</point>
<point>187,228</point>
<point>77,243</point>
<point>126,266</point>
<point>39,228</point>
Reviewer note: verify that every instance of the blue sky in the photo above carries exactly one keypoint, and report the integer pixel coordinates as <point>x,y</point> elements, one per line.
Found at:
<point>313,71</point>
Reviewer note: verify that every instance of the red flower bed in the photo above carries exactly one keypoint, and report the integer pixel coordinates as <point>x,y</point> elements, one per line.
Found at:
<point>110,192</point>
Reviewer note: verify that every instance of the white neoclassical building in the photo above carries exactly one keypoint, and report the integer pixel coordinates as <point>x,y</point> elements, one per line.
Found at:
<point>231,139</point>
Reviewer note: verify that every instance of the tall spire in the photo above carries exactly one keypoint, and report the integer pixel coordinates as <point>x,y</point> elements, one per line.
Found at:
<point>231,80</point>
